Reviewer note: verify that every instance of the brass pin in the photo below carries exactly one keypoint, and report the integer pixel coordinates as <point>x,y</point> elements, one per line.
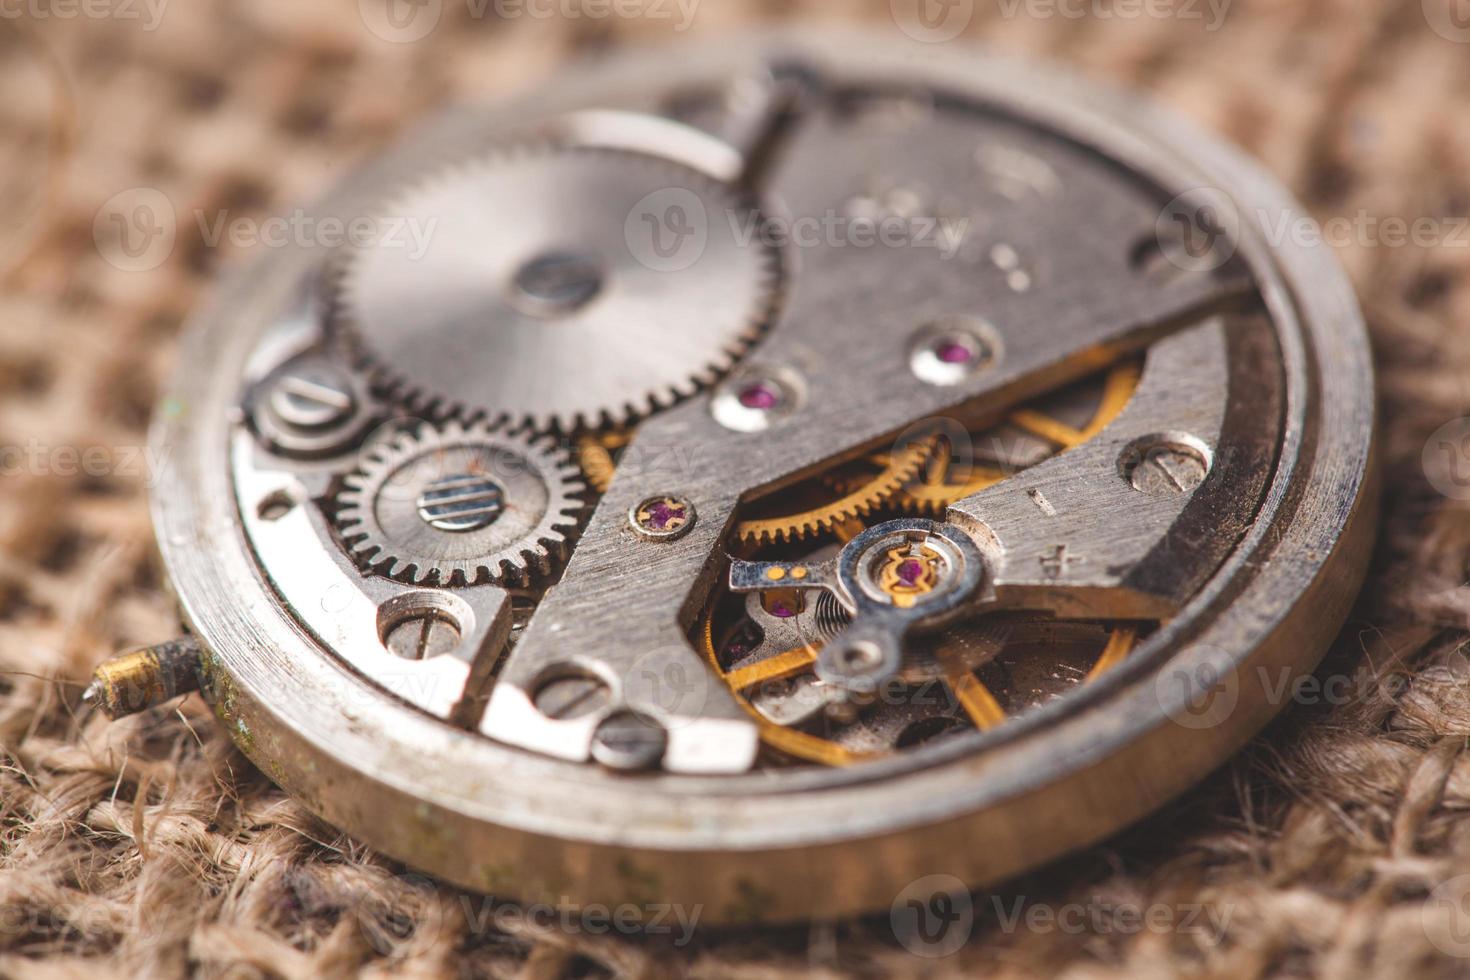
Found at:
<point>142,678</point>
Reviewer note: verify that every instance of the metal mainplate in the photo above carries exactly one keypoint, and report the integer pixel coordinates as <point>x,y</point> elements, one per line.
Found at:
<point>1237,573</point>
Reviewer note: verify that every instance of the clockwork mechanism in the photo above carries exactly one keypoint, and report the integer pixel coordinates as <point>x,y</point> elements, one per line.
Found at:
<point>771,473</point>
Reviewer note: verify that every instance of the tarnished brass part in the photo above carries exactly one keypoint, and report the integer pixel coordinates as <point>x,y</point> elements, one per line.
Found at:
<point>932,485</point>
<point>793,742</point>
<point>594,454</point>
<point>980,705</point>
<point>930,496</point>
<point>140,679</point>
<point>898,470</point>
<point>909,572</point>
<point>1120,644</point>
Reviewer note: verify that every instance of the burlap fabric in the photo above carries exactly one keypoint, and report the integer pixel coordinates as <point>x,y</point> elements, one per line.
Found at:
<point>1334,846</point>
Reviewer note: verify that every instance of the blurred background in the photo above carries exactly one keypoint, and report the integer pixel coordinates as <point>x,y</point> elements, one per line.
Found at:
<point>144,142</point>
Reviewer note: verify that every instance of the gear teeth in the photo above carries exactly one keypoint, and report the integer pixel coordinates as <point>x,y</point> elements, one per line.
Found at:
<point>764,277</point>
<point>517,564</point>
<point>903,467</point>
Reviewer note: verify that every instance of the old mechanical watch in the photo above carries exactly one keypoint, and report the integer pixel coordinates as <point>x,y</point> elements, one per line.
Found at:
<point>761,474</point>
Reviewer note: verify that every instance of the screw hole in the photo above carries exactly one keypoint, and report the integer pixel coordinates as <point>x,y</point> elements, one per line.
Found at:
<point>861,656</point>
<point>275,506</point>
<point>571,692</point>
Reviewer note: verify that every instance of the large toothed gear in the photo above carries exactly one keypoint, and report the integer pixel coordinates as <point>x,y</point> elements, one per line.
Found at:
<point>594,286</point>
<point>461,505</point>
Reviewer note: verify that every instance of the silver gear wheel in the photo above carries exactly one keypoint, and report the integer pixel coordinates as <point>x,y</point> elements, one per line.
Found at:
<point>461,504</point>
<point>566,288</point>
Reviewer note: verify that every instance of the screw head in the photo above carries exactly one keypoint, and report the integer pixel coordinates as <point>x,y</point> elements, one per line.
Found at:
<point>557,283</point>
<point>662,518</point>
<point>461,502</point>
<point>1163,467</point>
<point>572,696</point>
<point>627,742</point>
<point>422,637</point>
<point>313,397</point>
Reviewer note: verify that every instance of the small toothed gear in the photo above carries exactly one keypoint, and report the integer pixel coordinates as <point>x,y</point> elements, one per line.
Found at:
<point>595,286</point>
<point>899,469</point>
<point>458,504</point>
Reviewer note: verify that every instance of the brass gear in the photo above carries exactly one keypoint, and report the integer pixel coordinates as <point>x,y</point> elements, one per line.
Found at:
<point>921,479</point>
<point>933,494</point>
<point>899,469</point>
<point>978,705</point>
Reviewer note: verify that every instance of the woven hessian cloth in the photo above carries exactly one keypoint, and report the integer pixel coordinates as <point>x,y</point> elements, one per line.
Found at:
<point>152,847</point>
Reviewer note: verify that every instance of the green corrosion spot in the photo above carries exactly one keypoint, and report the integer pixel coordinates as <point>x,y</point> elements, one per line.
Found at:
<point>497,879</point>
<point>642,884</point>
<point>751,902</point>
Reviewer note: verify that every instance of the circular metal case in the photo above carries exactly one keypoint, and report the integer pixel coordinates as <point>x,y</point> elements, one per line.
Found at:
<point>1222,516</point>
